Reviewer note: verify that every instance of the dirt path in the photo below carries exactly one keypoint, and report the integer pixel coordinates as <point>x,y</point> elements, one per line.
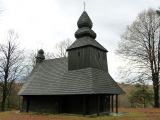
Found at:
<point>127,114</point>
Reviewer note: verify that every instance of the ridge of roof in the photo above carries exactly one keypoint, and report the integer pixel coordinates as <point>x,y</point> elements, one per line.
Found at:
<point>55,59</point>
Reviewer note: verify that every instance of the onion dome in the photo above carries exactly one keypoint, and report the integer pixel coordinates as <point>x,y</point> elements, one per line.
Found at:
<point>85,24</point>
<point>85,32</point>
<point>84,21</point>
<point>41,51</point>
<point>40,56</point>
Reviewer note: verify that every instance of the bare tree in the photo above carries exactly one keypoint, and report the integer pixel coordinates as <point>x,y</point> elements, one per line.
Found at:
<point>32,59</point>
<point>61,48</point>
<point>139,45</point>
<point>60,51</point>
<point>11,59</point>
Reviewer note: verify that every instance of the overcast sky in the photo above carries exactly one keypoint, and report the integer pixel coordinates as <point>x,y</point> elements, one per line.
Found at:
<point>43,23</point>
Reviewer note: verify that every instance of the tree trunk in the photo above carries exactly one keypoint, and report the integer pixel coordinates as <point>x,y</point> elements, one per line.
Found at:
<point>3,100</point>
<point>156,96</point>
<point>156,90</point>
<point>156,99</point>
<point>144,102</point>
<point>8,102</point>
<point>4,96</point>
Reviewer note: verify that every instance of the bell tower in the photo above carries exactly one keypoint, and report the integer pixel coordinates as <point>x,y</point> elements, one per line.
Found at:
<point>86,51</point>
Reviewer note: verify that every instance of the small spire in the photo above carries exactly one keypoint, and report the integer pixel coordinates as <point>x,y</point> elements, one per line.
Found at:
<point>84,5</point>
<point>40,56</point>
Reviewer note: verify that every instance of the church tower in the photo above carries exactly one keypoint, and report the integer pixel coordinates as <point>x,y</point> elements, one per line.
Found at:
<point>86,51</point>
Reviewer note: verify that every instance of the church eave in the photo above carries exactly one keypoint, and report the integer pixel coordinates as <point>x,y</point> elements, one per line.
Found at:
<point>71,48</point>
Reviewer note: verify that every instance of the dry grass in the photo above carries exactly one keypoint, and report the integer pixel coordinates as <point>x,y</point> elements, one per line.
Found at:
<point>129,114</point>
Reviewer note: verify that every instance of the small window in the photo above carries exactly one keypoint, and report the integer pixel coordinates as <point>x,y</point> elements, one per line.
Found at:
<point>98,54</point>
<point>104,56</point>
<point>78,54</point>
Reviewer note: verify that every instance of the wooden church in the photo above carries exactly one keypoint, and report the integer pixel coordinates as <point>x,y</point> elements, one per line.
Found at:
<point>79,84</point>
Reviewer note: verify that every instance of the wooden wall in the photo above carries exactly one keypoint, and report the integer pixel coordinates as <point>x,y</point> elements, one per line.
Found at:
<point>67,104</point>
<point>87,57</point>
<point>44,104</point>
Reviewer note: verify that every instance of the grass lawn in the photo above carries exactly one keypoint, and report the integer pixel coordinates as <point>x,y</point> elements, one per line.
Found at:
<point>128,114</point>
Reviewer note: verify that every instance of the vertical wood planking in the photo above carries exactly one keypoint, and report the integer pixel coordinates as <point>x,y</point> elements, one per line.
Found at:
<point>88,56</point>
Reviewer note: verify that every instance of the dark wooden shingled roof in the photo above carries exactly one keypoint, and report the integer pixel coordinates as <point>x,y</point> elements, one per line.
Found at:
<point>86,41</point>
<point>51,77</point>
